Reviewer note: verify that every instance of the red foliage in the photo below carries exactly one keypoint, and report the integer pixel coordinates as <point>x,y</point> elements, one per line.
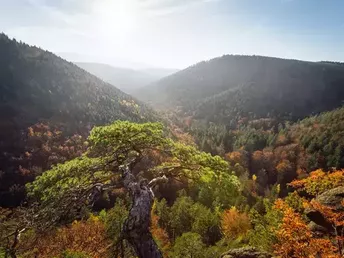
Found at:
<point>47,145</point>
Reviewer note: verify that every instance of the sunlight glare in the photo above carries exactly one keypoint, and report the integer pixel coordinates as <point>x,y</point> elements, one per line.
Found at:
<point>116,19</point>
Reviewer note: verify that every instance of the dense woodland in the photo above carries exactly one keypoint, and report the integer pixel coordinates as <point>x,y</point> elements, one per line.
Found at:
<point>37,86</point>
<point>228,88</point>
<point>88,171</point>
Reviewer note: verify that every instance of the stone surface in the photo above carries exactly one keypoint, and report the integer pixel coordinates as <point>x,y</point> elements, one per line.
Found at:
<point>332,198</point>
<point>245,252</point>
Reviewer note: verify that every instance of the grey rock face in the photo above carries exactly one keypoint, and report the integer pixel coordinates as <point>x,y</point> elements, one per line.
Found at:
<point>332,198</point>
<point>246,252</point>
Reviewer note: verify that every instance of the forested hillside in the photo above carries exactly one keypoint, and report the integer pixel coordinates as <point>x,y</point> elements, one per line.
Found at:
<point>37,86</point>
<point>278,153</point>
<point>229,88</point>
<point>128,80</point>
<point>87,172</point>
<point>195,204</point>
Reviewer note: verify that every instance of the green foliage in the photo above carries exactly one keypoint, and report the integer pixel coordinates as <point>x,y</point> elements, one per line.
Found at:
<point>122,137</point>
<point>263,233</point>
<point>114,220</point>
<point>205,223</point>
<point>213,251</point>
<point>75,174</point>
<point>322,137</point>
<point>295,201</point>
<point>210,176</point>
<point>163,212</point>
<point>109,147</point>
<point>67,187</point>
<point>71,254</point>
<point>185,215</point>
<point>220,192</point>
<point>188,245</point>
<point>180,217</point>
<point>252,139</point>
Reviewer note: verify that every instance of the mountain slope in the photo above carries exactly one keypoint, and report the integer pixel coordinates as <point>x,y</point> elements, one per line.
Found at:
<point>127,80</point>
<point>36,85</point>
<point>229,88</point>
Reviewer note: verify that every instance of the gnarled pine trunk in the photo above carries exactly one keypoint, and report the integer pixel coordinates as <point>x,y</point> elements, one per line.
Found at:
<point>136,227</point>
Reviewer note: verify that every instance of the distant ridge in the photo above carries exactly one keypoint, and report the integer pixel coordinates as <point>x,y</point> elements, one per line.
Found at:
<point>128,80</point>
<point>227,88</point>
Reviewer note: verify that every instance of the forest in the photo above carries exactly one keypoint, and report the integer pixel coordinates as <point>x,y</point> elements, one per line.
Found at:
<point>226,89</point>
<point>88,171</point>
<point>39,87</point>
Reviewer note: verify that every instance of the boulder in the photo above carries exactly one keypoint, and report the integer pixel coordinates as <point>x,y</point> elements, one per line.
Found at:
<point>245,252</point>
<point>333,198</point>
<point>317,229</point>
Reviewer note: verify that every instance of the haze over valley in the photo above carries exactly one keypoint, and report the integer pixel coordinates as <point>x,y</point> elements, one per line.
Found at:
<point>128,80</point>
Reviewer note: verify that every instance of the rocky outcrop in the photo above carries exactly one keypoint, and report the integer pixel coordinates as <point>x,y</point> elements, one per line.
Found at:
<point>246,252</point>
<point>332,198</point>
<point>317,228</point>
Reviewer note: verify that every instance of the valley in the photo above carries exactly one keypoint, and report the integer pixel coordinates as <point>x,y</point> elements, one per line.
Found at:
<point>231,156</point>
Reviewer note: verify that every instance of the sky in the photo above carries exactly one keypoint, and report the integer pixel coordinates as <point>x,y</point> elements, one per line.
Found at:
<point>177,33</point>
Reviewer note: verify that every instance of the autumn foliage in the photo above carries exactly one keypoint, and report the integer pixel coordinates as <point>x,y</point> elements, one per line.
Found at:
<point>296,240</point>
<point>319,181</point>
<point>160,235</point>
<point>82,236</point>
<point>234,223</point>
<point>47,145</point>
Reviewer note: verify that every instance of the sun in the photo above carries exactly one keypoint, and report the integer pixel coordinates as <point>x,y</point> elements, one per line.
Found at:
<point>115,18</point>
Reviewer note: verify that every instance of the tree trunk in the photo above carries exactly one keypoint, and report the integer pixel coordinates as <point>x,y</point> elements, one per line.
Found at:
<point>136,228</point>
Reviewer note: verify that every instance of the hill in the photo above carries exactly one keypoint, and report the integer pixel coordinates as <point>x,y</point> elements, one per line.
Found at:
<point>126,79</point>
<point>229,88</point>
<point>37,86</point>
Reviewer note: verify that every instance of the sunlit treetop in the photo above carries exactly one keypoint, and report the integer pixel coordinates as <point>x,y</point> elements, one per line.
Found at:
<point>319,181</point>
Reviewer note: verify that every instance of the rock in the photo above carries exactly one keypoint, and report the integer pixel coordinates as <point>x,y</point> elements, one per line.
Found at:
<point>318,219</point>
<point>318,229</point>
<point>246,252</point>
<point>332,198</point>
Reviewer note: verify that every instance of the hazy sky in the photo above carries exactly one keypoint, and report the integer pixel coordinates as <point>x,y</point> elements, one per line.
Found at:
<point>177,33</point>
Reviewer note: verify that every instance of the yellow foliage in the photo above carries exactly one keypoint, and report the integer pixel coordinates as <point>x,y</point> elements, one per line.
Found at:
<point>319,181</point>
<point>234,223</point>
